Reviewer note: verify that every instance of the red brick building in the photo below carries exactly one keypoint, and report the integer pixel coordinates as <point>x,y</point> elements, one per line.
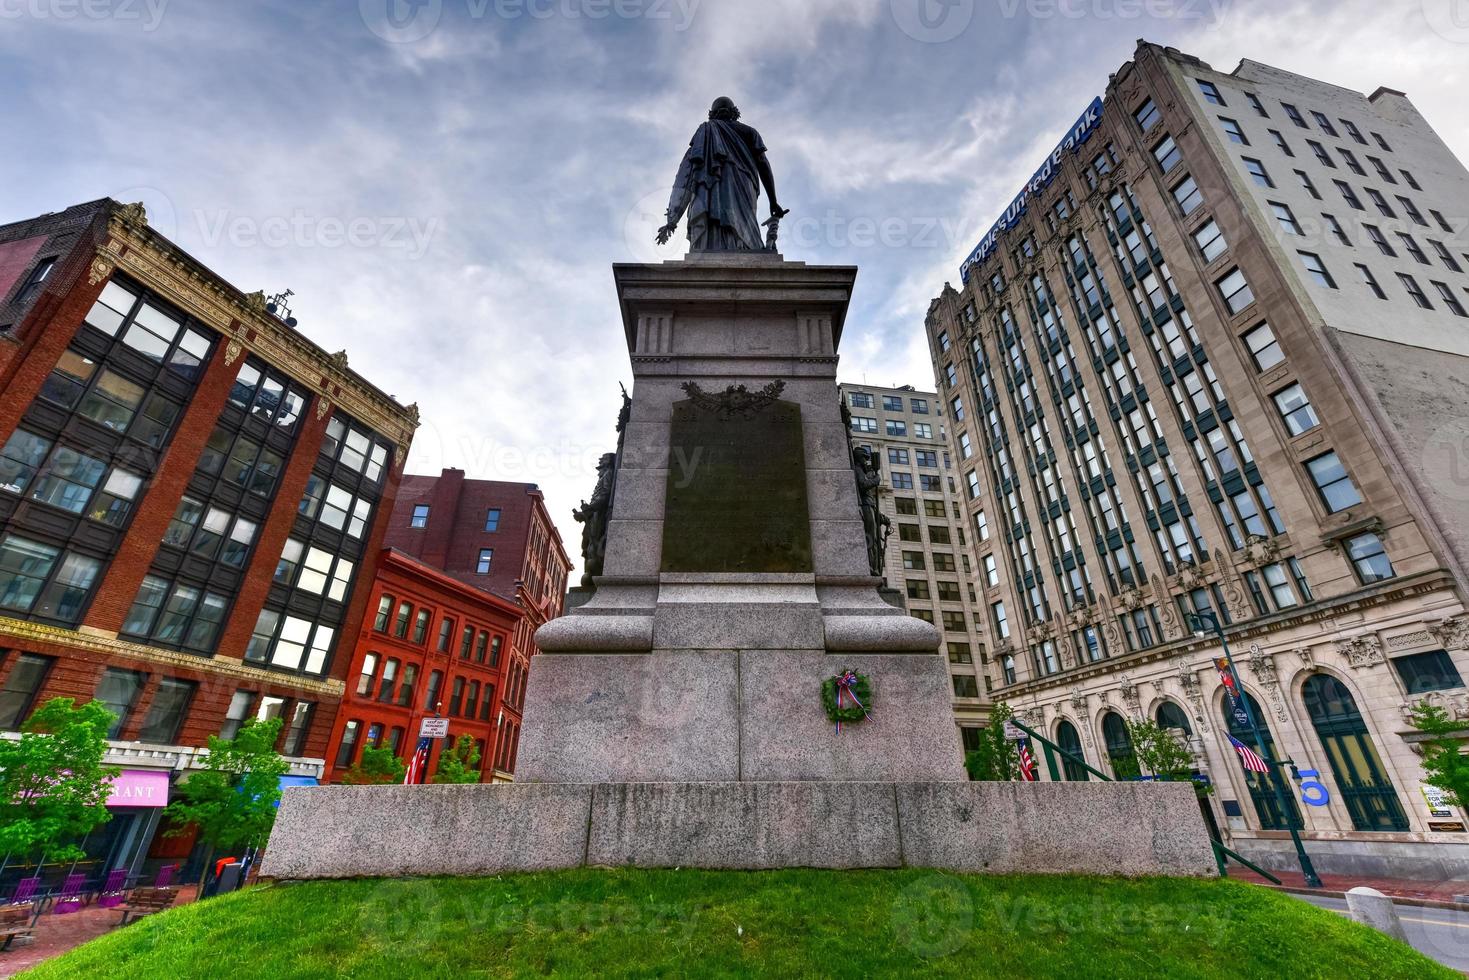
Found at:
<point>190,494</point>
<point>432,646</point>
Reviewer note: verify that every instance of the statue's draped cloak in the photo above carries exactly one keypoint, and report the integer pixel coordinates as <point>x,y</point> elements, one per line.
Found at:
<point>722,177</point>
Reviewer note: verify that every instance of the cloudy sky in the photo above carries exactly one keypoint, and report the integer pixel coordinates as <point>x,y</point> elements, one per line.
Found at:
<point>444,183</point>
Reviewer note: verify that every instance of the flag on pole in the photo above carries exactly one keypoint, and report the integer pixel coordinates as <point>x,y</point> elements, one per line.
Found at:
<point>1248,756</point>
<point>1027,764</point>
<point>418,764</point>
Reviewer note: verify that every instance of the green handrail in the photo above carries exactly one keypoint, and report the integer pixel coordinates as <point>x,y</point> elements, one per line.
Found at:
<point>1051,747</point>
<point>1221,852</point>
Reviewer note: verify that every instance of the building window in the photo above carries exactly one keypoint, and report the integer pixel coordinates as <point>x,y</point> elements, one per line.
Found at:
<point>384,614</point>
<point>1235,291</point>
<point>1316,270</point>
<point>118,691</point>
<point>492,519</point>
<point>897,457</point>
<point>1255,104</point>
<point>299,728</point>
<point>1349,195</point>
<point>991,571</point>
<point>27,675</point>
<point>860,399</point>
<point>955,622</point>
<point>176,614</point>
<point>902,481</point>
<point>446,633</point>
<point>1332,482</point>
<point>917,588</point>
<point>166,714</point>
<point>1210,240</point>
<point>1211,94</point>
<point>420,626</point>
<point>922,430</point>
<point>420,516</point>
<point>1186,194</point>
<point>1295,408</point>
<point>347,750</point>
<point>1413,249</point>
<point>265,395</point>
<point>1370,281</point>
<point>1147,116</point>
<point>1286,218</point>
<point>1257,170</point>
<point>1381,204</point>
<point>1294,114</point>
<point>406,690</point>
<point>1445,256</point>
<point>1352,163</point>
<point>368,675</point>
<point>400,622</point>
<point>1414,290</point>
<point>981,526</point>
<point>1233,131</point>
<point>1167,154</point>
<point>1353,131</point>
<point>909,532</point>
<point>1425,672</point>
<point>1369,558</point>
<point>965,686</point>
<point>435,687</point>
<point>896,427</point>
<point>290,642</point>
<point>905,505</point>
<point>43,581</point>
<point>235,715</point>
<point>920,405</point>
<point>861,423</point>
<point>1281,144</point>
<point>466,642</point>
<point>388,688</point>
<point>1448,297</point>
<point>1307,185</point>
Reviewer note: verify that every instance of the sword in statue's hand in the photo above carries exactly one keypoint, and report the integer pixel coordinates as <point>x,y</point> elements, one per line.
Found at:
<point>773,223</point>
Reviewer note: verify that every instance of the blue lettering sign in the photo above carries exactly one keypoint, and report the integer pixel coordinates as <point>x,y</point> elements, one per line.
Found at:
<point>1079,134</point>
<point>1313,792</point>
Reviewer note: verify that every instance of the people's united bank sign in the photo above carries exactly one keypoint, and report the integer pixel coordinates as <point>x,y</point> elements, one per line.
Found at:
<point>1079,134</point>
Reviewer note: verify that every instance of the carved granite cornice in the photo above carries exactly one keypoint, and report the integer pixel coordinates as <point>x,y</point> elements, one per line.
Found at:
<point>1451,633</point>
<point>243,321</point>
<point>23,631</point>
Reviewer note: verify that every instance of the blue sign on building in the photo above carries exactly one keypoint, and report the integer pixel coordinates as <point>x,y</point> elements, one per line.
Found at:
<point>1079,134</point>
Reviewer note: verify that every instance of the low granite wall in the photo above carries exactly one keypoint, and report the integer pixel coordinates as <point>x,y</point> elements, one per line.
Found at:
<point>1031,828</point>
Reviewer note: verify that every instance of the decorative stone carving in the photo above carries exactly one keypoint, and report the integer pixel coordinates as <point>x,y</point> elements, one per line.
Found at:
<point>399,454</point>
<point>339,360</point>
<point>593,518</point>
<point>100,269</point>
<point>1452,633</point>
<point>1189,681</point>
<point>1040,632</point>
<point>134,214</point>
<point>1112,634</point>
<point>1259,550</point>
<point>255,302</point>
<point>1405,640</point>
<point>1082,617</point>
<point>1190,577</point>
<point>232,351</point>
<point>323,405</point>
<point>734,400</point>
<point>1078,700</point>
<point>1234,598</point>
<point>1172,624</point>
<point>1362,651</point>
<point>1131,598</point>
<point>1262,665</point>
<point>1306,656</point>
<point>1130,696</point>
<point>876,525</point>
<point>1456,706</point>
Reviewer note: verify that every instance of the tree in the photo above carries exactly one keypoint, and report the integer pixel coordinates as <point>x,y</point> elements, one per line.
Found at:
<point>53,785</point>
<point>460,764</point>
<point>1444,765</point>
<point>376,767</point>
<point>232,799</point>
<point>996,759</point>
<point>1162,753</point>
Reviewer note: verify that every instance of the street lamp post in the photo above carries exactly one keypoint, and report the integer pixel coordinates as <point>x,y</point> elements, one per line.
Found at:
<point>1203,624</point>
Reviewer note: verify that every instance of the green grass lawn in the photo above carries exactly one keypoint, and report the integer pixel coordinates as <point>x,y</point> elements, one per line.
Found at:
<point>780,923</point>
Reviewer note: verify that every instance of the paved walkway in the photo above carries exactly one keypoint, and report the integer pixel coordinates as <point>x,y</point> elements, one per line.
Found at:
<point>1407,892</point>
<point>55,934</point>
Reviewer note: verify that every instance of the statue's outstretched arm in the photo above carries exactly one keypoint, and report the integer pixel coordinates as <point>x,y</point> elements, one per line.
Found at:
<point>679,199</point>
<point>767,177</point>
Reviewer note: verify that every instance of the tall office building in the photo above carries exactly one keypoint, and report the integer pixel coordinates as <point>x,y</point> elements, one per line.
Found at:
<point>1213,360</point>
<point>927,557</point>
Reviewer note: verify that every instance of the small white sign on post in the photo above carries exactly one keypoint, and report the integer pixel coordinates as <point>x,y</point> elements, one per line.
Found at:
<point>433,728</point>
<point>1012,732</point>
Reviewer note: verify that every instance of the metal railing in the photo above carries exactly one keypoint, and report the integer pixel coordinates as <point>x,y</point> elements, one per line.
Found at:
<point>1052,750</point>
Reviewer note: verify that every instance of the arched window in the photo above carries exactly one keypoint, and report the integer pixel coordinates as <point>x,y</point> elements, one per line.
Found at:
<point>1365,787</point>
<point>1068,739</point>
<point>1171,715</point>
<point>384,613</point>
<point>1119,746</point>
<point>1262,793</point>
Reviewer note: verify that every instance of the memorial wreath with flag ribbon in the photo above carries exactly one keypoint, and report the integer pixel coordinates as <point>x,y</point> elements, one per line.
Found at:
<point>847,697</point>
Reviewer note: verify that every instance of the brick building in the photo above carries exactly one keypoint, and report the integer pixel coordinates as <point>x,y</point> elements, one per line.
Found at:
<point>190,493</point>
<point>432,646</point>
<point>928,553</point>
<point>1212,361</point>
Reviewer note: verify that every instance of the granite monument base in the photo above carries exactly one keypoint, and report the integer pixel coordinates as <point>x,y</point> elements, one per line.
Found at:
<point>1128,829</point>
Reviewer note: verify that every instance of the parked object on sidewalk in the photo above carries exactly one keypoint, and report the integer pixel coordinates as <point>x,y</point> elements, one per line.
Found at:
<point>15,920</point>
<point>69,899</point>
<point>1372,908</point>
<point>113,890</point>
<point>146,901</point>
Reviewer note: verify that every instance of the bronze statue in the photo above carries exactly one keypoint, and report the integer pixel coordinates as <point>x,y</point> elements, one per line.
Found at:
<point>718,184</point>
<point>593,518</point>
<point>875,523</point>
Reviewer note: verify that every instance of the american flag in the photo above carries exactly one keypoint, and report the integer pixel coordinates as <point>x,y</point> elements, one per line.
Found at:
<point>418,764</point>
<point>1247,755</point>
<point>1027,764</point>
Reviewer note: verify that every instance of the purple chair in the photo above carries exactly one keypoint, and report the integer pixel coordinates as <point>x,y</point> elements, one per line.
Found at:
<point>113,891</point>
<point>69,899</point>
<point>165,876</point>
<point>25,890</point>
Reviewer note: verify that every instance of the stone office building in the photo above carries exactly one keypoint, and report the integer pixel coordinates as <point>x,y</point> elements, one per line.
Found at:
<point>927,555</point>
<point>189,492</point>
<point>1215,359</point>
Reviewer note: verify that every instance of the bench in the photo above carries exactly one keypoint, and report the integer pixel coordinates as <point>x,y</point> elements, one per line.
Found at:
<point>15,920</point>
<point>146,901</point>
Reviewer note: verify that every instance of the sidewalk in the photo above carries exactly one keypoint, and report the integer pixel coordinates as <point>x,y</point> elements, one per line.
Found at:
<point>1430,894</point>
<point>55,934</point>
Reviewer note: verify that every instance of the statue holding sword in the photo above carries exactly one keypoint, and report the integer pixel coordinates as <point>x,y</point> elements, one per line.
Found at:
<point>718,185</point>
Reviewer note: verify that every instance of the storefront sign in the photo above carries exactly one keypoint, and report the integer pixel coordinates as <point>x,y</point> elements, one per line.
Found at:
<point>1313,791</point>
<point>1079,134</point>
<point>433,728</point>
<point>139,787</point>
<point>1012,733</point>
<point>1437,800</point>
